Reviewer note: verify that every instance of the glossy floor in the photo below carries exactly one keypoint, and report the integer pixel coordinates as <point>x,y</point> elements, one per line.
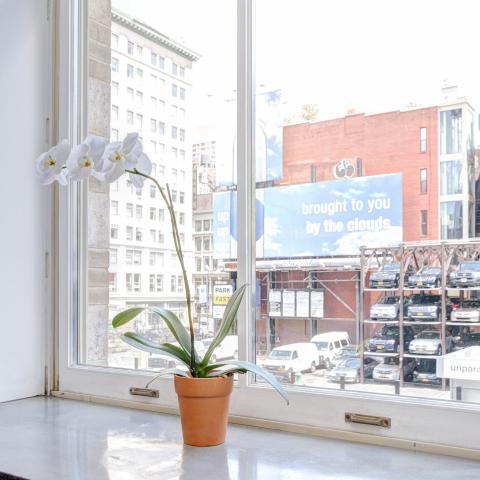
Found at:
<point>59,439</point>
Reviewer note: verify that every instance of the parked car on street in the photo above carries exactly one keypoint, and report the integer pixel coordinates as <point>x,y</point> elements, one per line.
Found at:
<point>429,342</point>
<point>426,372</point>
<point>388,276</point>
<point>228,348</point>
<point>427,308</point>
<point>288,360</point>
<point>388,339</point>
<point>387,308</point>
<point>468,311</point>
<point>328,345</point>
<point>467,275</point>
<point>389,370</point>
<point>426,277</point>
<point>349,369</point>
<point>346,352</point>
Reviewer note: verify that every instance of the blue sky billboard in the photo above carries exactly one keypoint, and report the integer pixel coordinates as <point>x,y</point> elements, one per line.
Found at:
<point>316,219</point>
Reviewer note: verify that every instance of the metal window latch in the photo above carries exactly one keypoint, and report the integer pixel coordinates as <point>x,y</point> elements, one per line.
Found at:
<point>144,392</point>
<point>384,422</point>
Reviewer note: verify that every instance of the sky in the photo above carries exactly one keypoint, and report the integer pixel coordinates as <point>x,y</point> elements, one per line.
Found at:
<point>369,55</point>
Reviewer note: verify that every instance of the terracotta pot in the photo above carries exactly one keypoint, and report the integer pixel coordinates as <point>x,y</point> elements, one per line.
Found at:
<point>203,406</point>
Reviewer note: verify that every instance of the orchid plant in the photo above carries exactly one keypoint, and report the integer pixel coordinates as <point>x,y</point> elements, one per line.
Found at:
<point>107,162</point>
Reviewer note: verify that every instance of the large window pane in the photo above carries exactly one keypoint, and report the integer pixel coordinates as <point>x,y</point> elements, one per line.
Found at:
<point>451,179</point>
<point>172,80</point>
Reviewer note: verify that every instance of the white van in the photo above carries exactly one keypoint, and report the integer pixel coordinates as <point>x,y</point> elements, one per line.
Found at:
<point>328,344</point>
<point>287,360</point>
<point>228,348</point>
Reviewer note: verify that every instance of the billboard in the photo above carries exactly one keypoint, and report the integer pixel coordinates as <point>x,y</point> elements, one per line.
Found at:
<point>316,219</point>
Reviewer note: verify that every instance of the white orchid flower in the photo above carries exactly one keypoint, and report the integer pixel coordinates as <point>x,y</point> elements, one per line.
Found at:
<point>120,156</point>
<point>49,165</point>
<point>86,159</point>
<point>144,165</point>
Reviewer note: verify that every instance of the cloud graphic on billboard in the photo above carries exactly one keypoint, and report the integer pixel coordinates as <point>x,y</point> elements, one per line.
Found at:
<point>353,241</point>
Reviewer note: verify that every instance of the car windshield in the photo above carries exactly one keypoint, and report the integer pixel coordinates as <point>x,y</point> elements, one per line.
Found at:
<point>280,354</point>
<point>390,331</point>
<point>431,271</point>
<point>321,345</point>
<point>388,301</point>
<point>390,361</point>
<point>470,266</point>
<point>391,267</point>
<point>429,335</point>
<point>425,299</point>
<point>426,366</point>
<point>470,304</point>
<point>472,337</point>
<point>350,363</point>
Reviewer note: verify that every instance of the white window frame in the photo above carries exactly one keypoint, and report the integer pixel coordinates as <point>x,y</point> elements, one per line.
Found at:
<point>414,421</point>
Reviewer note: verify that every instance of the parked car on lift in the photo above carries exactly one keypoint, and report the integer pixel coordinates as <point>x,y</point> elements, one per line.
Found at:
<point>426,277</point>
<point>427,308</point>
<point>288,360</point>
<point>426,372</point>
<point>346,352</point>
<point>467,275</point>
<point>328,345</point>
<point>388,339</point>
<point>389,370</point>
<point>388,276</point>
<point>429,342</point>
<point>388,308</point>
<point>349,369</point>
<point>469,339</point>
<point>468,311</point>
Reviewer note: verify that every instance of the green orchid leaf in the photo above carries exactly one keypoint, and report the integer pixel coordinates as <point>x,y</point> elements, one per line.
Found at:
<point>142,343</point>
<point>228,318</point>
<point>251,367</point>
<point>126,316</point>
<point>168,371</point>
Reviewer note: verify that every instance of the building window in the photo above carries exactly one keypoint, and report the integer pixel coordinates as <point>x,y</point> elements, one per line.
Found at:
<point>156,259</point>
<point>161,128</point>
<point>174,69</point>
<point>451,177</point>
<point>129,71</point>
<point>151,283</point>
<point>206,244</point>
<point>129,117</point>
<point>173,283</point>
<point>451,220</point>
<point>114,40</point>
<point>140,73</point>
<point>153,236</point>
<point>139,97</point>
<point>129,233</point>
<point>159,283</point>
<point>114,232</point>
<point>138,235</point>
<point>182,72</point>
<point>129,210</point>
<point>114,135</point>
<point>130,48</point>
<point>182,135</point>
<point>112,282</point>
<point>114,207</point>
<point>139,50</point>
<point>153,213</point>
<point>161,238</point>
<point>182,156</point>
<point>161,62</point>
<point>182,94</point>
<point>198,225</point>
<point>113,256</point>
<point>115,88</point>
<point>161,215</point>
<point>181,218</point>
<point>174,132</point>
<point>451,131</point>
<point>140,120</point>
<point>179,283</point>
<point>137,286</point>
<point>174,90</point>
<point>206,225</point>
<point>313,173</point>
<point>130,94</point>
<point>153,102</point>
<point>153,59</point>
<point>114,64</point>
<point>161,106</point>
<point>153,191</point>
<point>175,174</point>
<point>181,197</point>
<point>153,125</point>
<point>198,244</point>
<point>424,222</point>
<point>423,139</point>
<point>138,211</point>
<point>174,196</point>
<point>161,170</point>
<point>198,264</point>
<point>423,180</point>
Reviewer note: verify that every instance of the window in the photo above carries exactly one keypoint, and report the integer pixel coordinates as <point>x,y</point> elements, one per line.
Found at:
<point>139,97</point>
<point>182,156</point>
<point>182,135</point>
<point>181,197</point>
<point>182,72</point>
<point>153,125</point>
<point>173,283</point>
<point>137,286</point>
<point>151,283</point>
<point>206,244</point>
<point>451,131</point>
<point>129,71</point>
<point>451,177</point>
<point>159,283</point>
<point>174,154</point>
<point>115,65</point>
<point>115,88</point>
<point>130,94</point>
<point>129,210</point>
<point>139,120</point>
<point>182,93</point>
<point>113,207</point>
<point>130,48</point>
<point>114,40</point>
<point>113,256</point>
<point>198,264</point>
<point>156,259</point>
<point>313,173</point>
<point>114,232</point>
<point>174,174</point>
<point>423,180</point>
<point>174,195</point>
<point>424,222</point>
<point>153,236</point>
<point>174,132</point>
<point>153,191</point>
<point>174,69</point>
<point>451,220</point>
<point>423,139</point>
<point>138,211</point>
<point>174,90</point>
<point>129,117</point>
<point>206,225</point>
<point>114,135</point>
<point>139,50</point>
<point>153,213</point>
<point>153,102</point>
<point>138,234</point>
<point>140,73</point>
<point>161,106</point>
<point>198,225</point>
<point>161,171</point>
<point>161,129</point>
<point>181,218</point>
<point>179,283</point>
<point>161,215</point>
<point>128,232</point>
<point>153,59</point>
<point>198,244</point>
<point>161,238</point>
<point>161,62</point>
<point>206,263</point>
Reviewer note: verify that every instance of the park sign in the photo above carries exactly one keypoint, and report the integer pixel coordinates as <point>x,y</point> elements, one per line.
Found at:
<point>222,293</point>
<point>315,219</point>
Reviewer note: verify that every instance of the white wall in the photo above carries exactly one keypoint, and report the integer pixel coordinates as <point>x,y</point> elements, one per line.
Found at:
<point>24,90</point>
